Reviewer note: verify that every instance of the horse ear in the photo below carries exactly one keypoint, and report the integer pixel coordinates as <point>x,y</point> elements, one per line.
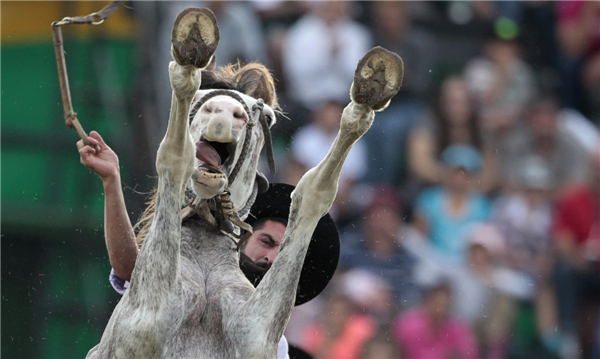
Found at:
<point>255,80</point>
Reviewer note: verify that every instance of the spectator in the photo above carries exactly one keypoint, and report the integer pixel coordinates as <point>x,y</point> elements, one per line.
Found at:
<point>240,26</point>
<point>341,332</point>
<point>543,137</point>
<point>381,246</point>
<point>524,216</point>
<point>453,121</point>
<point>486,294</point>
<point>576,232</point>
<point>386,138</point>
<point>321,53</point>
<point>371,293</point>
<point>380,346</point>
<point>579,44</point>
<point>498,290</point>
<point>502,83</point>
<point>394,31</point>
<point>444,213</point>
<point>312,142</point>
<point>430,331</point>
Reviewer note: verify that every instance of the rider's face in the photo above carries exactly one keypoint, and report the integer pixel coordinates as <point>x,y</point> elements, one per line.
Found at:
<point>263,244</point>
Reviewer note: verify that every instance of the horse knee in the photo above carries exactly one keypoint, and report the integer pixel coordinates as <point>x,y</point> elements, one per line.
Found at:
<point>185,80</point>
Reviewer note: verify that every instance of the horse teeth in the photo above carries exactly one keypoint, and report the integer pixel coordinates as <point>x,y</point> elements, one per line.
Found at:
<point>213,175</point>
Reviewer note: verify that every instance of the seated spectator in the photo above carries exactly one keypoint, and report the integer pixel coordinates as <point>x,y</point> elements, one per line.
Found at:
<point>542,136</point>
<point>486,293</point>
<point>292,171</point>
<point>321,53</point>
<point>444,213</point>
<point>341,332</point>
<point>453,121</point>
<point>240,25</point>
<point>489,293</point>
<point>578,59</point>
<point>574,123</point>
<point>524,216</point>
<point>386,139</point>
<point>502,83</point>
<point>312,142</point>
<point>371,293</point>
<point>576,230</point>
<point>430,331</point>
<point>380,346</point>
<point>380,245</point>
<point>394,30</point>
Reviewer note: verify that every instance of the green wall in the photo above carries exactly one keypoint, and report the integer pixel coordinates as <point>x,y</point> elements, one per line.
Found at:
<point>56,298</point>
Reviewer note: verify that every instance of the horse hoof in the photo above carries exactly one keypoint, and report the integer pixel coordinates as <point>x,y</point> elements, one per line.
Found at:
<point>377,78</point>
<point>195,37</point>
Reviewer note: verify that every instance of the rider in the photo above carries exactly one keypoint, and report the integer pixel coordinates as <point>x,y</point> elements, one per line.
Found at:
<point>268,217</point>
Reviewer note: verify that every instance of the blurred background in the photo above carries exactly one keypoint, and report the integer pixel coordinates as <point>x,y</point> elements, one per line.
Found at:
<point>469,214</point>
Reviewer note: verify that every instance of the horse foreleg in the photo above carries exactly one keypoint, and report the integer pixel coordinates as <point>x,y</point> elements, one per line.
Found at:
<point>150,310</point>
<point>258,324</point>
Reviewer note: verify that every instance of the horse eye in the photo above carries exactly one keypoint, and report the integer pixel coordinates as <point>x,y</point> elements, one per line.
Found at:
<point>269,120</point>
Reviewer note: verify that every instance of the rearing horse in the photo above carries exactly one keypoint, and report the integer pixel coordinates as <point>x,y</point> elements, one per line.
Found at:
<point>187,297</point>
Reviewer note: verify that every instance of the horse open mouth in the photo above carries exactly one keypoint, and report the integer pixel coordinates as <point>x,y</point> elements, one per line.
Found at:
<point>216,157</point>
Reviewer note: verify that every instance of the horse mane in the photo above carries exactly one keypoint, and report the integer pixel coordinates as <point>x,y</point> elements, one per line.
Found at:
<point>252,79</point>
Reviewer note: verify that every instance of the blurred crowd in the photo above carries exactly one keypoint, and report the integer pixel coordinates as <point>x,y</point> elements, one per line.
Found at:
<point>469,214</point>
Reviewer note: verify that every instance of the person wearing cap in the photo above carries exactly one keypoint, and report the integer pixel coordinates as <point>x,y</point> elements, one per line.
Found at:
<point>444,212</point>
<point>524,216</point>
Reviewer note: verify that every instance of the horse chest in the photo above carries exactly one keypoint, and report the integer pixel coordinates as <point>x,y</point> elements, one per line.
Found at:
<point>200,333</point>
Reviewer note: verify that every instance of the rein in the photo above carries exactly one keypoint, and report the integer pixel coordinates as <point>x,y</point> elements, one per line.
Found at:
<point>95,18</point>
<point>224,213</point>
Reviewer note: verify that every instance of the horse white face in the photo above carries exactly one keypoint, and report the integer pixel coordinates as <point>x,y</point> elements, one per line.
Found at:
<point>219,128</point>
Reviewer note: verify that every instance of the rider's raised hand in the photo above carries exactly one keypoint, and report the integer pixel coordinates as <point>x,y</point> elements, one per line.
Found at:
<point>99,157</point>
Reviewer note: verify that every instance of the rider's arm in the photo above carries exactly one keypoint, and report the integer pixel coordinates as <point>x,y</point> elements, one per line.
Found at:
<point>120,238</point>
<point>119,234</point>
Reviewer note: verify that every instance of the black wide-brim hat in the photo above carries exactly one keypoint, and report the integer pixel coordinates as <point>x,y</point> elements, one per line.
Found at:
<point>323,251</point>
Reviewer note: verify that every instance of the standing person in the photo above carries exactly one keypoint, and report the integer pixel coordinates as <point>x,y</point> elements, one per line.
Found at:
<point>268,217</point>
<point>321,52</point>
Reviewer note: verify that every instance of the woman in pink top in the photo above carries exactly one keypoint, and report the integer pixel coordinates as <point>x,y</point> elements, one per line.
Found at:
<point>429,331</point>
